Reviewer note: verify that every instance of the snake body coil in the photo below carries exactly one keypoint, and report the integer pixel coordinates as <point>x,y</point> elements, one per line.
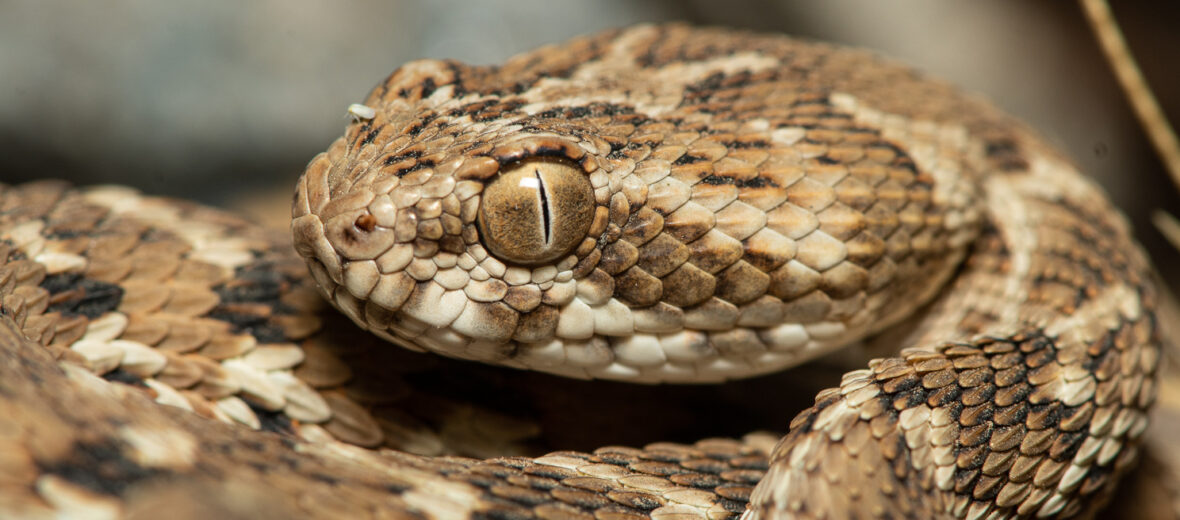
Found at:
<point>653,204</point>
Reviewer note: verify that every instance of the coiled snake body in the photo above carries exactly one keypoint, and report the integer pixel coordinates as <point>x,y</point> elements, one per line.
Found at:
<point>653,204</point>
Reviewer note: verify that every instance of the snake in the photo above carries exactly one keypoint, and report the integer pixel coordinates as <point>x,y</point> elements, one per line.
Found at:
<point>548,243</point>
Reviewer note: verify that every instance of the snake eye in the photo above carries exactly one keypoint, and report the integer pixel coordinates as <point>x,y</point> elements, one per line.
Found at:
<point>536,210</point>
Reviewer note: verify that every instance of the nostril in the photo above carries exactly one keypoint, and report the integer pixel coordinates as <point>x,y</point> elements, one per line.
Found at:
<point>366,222</point>
<point>358,236</point>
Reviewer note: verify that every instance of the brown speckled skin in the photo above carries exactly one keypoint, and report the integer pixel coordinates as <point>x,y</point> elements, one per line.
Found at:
<point>744,215</point>
<point>742,183</point>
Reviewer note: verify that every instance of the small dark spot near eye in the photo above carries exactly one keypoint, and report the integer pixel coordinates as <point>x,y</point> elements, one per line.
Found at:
<point>369,137</point>
<point>366,222</point>
<point>428,87</point>
<point>409,154</point>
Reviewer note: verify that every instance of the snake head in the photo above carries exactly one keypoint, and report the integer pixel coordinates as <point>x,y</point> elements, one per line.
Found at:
<point>441,234</point>
<point>624,216</point>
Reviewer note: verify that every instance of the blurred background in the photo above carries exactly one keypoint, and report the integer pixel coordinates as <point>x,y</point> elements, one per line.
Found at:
<point>218,100</point>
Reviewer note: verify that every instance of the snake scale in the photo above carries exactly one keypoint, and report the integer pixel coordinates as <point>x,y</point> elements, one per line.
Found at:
<point>654,204</point>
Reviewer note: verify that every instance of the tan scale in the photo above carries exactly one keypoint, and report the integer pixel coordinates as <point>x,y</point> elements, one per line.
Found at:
<point>656,204</point>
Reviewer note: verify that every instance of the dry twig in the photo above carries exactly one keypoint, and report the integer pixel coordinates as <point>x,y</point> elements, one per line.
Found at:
<point>1143,102</point>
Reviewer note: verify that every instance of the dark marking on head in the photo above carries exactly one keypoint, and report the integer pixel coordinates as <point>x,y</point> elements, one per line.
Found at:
<point>417,166</point>
<point>497,110</point>
<point>409,154</point>
<point>421,90</point>
<point>543,150</point>
<point>619,152</point>
<point>756,182</point>
<point>487,109</point>
<point>369,137</point>
<point>687,159</point>
<point>458,82</point>
<point>624,113</point>
<point>415,128</point>
<point>428,87</point>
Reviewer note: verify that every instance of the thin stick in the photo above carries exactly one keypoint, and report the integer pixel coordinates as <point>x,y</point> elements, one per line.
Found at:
<point>1168,226</point>
<point>1146,108</point>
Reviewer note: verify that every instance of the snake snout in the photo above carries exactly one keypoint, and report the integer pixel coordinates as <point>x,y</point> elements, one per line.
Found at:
<point>357,236</point>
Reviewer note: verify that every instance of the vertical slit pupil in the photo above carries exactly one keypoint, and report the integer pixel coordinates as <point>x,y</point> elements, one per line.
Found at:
<point>544,205</point>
